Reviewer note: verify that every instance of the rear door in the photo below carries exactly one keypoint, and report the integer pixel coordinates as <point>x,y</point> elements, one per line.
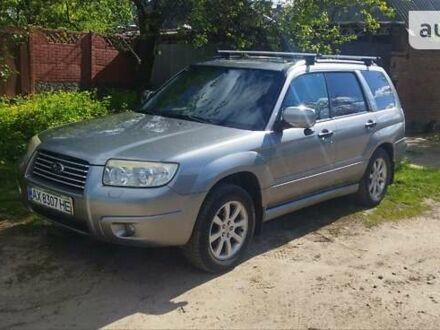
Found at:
<point>385,102</point>
<point>355,124</point>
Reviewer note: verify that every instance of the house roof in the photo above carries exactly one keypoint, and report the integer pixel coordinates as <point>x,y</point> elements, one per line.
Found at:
<point>401,7</point>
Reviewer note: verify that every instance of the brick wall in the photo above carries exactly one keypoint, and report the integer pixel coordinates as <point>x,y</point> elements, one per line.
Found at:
<point>416,74</point>
<point>57,59</point>
<point>109,65</point>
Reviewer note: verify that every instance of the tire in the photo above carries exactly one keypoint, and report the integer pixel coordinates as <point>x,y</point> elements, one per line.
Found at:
<point>212,230</point>
<point>367,195</point>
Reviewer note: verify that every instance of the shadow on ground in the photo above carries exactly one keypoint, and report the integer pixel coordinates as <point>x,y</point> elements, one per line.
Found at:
<point>74,281</point>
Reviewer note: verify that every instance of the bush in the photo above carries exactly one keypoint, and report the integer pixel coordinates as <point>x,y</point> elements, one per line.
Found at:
<point>23,117</point>
<point>120,99</point>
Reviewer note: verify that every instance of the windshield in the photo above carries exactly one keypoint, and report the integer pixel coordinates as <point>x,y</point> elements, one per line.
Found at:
<point>240,98</point>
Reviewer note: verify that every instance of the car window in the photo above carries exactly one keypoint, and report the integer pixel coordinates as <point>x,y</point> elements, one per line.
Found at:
<point>381,89</point>
<point>309,90</point>
<point>232,97</point>
<point>346,95</point>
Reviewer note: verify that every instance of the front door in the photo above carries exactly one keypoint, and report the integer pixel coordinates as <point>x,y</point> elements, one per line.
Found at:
<point>301,160</point>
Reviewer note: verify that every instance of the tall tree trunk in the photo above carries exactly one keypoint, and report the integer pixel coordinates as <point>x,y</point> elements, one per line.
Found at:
<point>150,21</point>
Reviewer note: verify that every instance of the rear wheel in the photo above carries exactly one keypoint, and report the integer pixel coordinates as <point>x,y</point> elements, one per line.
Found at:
<point>374,184</point>
<point>223,229</point>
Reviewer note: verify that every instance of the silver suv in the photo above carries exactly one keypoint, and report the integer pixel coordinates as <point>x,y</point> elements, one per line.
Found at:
<point>222,147</point>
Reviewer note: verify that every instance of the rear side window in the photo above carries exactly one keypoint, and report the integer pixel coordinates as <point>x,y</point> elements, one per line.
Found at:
<point>346,95</point>
<point>381,89</point>
<point>309,90</point>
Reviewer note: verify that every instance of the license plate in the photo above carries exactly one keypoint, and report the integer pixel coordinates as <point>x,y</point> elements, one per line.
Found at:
<point>53,201</point>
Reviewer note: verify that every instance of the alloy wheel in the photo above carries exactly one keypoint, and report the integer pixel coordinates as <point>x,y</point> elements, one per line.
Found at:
<point>378,179</point>
<point>228,230</point>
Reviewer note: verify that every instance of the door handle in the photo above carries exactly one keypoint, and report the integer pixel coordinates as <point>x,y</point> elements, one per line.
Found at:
<point>370,124</point>
<point>325,133</point>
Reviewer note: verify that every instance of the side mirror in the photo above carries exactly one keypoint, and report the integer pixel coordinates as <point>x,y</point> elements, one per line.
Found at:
<point>300,117</point>
<point>146,95</point>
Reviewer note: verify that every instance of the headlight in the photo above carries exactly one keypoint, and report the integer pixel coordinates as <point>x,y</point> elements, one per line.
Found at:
<point>32,146</point>
<point>125,173</point>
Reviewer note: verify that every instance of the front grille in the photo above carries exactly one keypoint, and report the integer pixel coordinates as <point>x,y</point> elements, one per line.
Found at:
<point>60,169</point>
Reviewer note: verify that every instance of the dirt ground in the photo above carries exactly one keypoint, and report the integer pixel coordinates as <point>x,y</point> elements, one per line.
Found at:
<point>317,268</point>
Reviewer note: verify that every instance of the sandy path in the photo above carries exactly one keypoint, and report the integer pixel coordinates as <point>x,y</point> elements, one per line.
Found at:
<point>309,270</point>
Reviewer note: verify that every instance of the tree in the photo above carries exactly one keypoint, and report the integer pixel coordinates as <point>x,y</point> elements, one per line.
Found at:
<point>78,15</point>
<point>240,23</point>
<point>308,25</point>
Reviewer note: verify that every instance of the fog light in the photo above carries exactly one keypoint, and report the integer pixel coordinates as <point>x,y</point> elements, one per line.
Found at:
<point>123,229</point>
<point>129,230</point>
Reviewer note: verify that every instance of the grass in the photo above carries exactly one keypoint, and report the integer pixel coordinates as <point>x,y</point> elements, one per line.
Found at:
<point>413,187</point>
<point>407,197</point>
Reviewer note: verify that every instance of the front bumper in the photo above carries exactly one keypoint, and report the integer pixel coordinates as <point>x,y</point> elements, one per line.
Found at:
<point>155,216</point>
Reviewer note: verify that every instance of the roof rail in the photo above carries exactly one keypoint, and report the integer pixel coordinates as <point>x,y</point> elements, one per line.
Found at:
<point>310,58</point>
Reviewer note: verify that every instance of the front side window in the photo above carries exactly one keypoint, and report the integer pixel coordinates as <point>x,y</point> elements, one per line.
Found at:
<point>309,90</point>
<point>381,89</point>
<point>232,97</point>
<point>346,95</point>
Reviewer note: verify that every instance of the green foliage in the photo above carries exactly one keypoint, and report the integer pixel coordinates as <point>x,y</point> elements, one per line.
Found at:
<point>407,197</point>
<point>10,205</point>
<point>310,24</point>
<point>243,24</point>
<point>79,15</point>
<point>5,69</point>
<point>253,24</point>
<point>7,41</point>
<point>307,24</point>
<point>120,99</point>
<point>23,117</point>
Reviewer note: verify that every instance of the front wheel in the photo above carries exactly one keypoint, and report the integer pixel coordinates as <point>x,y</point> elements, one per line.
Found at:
<point>374,184</point>
<point>223,230</point>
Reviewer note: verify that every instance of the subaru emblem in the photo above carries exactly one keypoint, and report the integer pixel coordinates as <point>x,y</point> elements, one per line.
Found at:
<point>58,168</point>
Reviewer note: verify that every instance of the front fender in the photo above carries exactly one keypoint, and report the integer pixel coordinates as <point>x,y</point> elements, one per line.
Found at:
<point>206,176</point>
<point>220,168</point>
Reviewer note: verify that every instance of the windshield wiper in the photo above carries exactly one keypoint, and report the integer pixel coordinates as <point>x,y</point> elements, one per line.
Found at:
<point>202,120</point>
<point>188,117</point>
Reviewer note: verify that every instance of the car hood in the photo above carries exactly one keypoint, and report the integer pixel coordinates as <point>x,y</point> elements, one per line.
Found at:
<point>134,136</point>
